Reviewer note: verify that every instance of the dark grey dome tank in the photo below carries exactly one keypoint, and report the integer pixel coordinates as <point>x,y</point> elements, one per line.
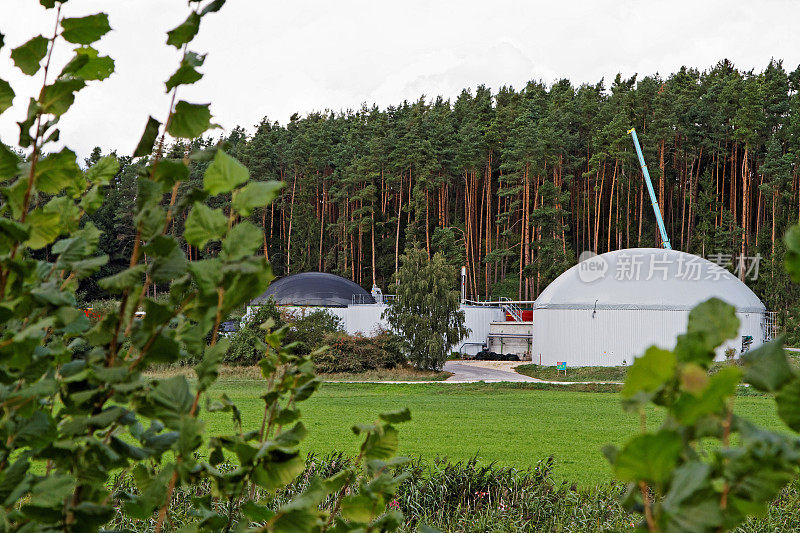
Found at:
<point>314,289</point>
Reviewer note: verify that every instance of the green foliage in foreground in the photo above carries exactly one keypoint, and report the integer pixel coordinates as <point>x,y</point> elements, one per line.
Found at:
<point>689,474</point>
<point>426,312</point>
<point>75,410</point>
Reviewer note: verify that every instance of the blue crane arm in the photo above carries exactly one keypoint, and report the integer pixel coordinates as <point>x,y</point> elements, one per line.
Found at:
<point>664,239</point>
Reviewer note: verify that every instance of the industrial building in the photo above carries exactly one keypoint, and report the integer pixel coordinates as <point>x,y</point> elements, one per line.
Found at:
<point>362,312</point>
<point>609,309</point>
<point>604,311</point>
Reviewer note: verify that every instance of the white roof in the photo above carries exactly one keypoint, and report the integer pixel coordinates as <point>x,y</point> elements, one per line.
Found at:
<point>647,278</point>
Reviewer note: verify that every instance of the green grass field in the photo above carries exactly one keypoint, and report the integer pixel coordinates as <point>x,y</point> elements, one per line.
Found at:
<point>580,373</point>
<point>510,424</point>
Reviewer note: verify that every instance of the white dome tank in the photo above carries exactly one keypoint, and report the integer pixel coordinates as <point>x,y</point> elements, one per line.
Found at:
<point>607,310</point>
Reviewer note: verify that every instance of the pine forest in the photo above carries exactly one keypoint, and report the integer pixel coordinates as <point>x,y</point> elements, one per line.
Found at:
<point>515,184</point>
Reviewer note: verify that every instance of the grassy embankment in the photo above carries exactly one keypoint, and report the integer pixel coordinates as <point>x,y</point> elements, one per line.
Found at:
<point>580,373</point>
<point>510,424</point>
<point>250,373</point>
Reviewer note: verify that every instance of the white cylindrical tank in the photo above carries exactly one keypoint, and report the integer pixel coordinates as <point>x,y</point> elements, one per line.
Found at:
<point>609,309</point>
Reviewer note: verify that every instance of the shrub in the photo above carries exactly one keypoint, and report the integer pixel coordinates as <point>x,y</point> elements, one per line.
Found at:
<point>357,353</point>
<point>309,329</point>
<point>244,347</point>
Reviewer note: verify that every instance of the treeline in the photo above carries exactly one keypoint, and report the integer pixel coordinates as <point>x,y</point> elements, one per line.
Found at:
<point>515,184</point>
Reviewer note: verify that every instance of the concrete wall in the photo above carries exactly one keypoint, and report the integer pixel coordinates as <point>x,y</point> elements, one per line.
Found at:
<point>582,337</point>
<point>511,338</point>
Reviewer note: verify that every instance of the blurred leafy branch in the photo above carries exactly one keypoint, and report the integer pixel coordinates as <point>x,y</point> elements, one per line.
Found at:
<point>704,468</point>
<point>75,411</point>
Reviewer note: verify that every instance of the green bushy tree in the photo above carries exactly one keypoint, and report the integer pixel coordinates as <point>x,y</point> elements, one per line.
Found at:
<point>75,410</point>
<point>426,312</point>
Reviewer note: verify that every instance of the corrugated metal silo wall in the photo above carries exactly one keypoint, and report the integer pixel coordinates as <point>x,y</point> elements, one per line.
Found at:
<point>615,337</point>
<point>477,318</point>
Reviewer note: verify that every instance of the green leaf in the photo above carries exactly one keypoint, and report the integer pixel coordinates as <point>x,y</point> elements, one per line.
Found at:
<point>212,7</point>
<point>207,273</point>
<point>9,163</point>
<point>650,457</point>
<point>291,438</point>
<point>170,171</point>
<point>792,256</point>
<point>395,417</point>
<point>204,224</point>
<point>87,64</point>
<point>686,480</point>
<point>224,174</point>
<point>15,195</point>
<point>45,227</point>
<point>169,400</point>
<point>13,479</point>
<point>125,279</point>
<point>186,73</point>
<point>207,369</point>
<point>101,172</point>
<point>184,33</point>
<point>68,213</point>
<point>689,408</point>
<point>92,200</point>
<point>296,521</point>
<point>788,402</point>
<point>57,98</point>
<point>58,171</point>
<point>6,95</point>
<point>381,444</point>
<point>358,508</point>
<point>255,194</point>
<point>28,56</point>
<point>148,139</point>
<point>52,491</point>
<point>715,321</point>
<point>85,30</point>
<point>242,240</point>
<point>279,471</point>
<point>13,230</point>
<point>767,368</point>
<point>169,261</point>
<point>258,513</point>
<point>189,121</point>
<point>649,372</point>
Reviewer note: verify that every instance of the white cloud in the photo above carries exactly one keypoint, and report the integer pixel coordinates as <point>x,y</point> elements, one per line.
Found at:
<point>276,58</point>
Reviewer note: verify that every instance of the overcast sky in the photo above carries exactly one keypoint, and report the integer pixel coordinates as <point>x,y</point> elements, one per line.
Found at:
<point>275,58</point>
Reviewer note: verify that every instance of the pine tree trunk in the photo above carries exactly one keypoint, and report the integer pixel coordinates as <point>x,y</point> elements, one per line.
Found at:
<point>289,232</point>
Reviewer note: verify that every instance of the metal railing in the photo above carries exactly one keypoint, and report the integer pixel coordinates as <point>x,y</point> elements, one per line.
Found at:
<point>769,325</point>
<point>367,299</point>
<point>511,308</point>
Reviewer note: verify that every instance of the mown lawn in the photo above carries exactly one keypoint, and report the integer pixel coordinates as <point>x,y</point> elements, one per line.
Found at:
<point>510,424</point>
